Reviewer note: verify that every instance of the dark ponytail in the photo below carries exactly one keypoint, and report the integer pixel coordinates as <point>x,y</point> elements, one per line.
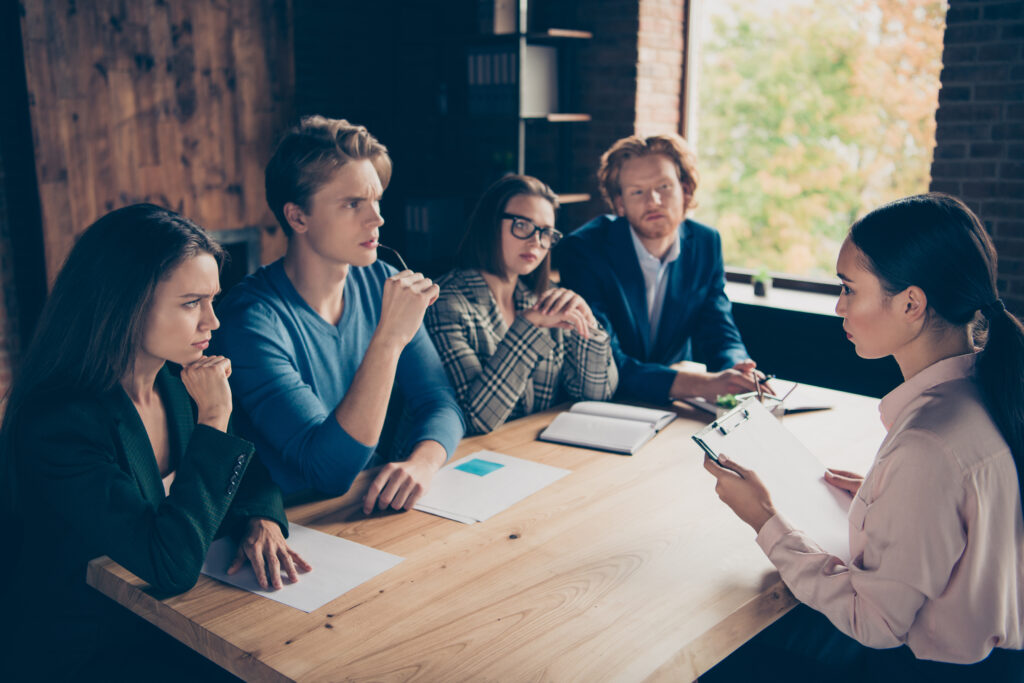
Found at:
<point>935,242</point>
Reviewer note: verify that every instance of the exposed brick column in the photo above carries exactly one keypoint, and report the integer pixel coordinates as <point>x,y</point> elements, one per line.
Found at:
<point>979,152</point>
<point>660,48</point>
<point>629,80</point>
<point>606,89</point>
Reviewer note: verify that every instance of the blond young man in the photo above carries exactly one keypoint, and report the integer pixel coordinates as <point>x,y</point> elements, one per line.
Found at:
<point>655,278</point>
<point>319,338</point>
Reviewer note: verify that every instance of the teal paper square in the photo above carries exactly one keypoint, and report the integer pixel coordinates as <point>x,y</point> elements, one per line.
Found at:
<point>479,467</point>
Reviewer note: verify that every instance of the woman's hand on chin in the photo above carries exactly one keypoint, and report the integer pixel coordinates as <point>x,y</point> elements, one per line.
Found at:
<point>206,381</point>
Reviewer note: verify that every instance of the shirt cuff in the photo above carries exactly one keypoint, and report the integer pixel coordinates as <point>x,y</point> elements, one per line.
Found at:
<point>772,532</point>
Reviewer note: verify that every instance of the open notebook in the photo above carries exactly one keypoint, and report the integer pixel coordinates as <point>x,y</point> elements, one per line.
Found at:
<point>607,426</point>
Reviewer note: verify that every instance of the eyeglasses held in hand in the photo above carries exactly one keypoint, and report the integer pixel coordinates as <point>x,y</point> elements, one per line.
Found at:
<point>397,255</point>
<point>523,228</point>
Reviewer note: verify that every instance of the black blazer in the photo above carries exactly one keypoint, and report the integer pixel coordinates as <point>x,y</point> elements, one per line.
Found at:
<point>88,485</point>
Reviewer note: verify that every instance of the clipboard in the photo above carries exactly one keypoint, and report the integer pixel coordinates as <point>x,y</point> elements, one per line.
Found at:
<point>754,438</point>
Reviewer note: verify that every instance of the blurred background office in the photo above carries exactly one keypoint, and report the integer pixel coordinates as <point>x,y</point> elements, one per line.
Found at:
<point>803,114</point>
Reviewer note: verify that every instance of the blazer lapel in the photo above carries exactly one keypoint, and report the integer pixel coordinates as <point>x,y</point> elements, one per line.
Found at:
<point>137,449</point>
<point>180,420</point>
<point>622,253</point>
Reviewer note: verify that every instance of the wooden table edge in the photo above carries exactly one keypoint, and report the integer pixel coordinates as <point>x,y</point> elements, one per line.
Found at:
<point>705,651</point>
<point>226,655</point>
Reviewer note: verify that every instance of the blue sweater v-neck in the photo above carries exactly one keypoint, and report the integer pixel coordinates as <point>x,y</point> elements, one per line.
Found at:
<point>291,368</point>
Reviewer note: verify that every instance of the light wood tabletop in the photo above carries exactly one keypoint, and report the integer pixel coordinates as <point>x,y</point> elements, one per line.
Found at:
<point>628,569</point>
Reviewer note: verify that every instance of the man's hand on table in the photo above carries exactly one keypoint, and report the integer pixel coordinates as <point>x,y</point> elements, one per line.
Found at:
<point>739,379</point>
<point>399,485</point>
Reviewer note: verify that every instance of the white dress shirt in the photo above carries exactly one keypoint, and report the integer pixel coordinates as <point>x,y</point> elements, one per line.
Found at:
<point>655,272</point>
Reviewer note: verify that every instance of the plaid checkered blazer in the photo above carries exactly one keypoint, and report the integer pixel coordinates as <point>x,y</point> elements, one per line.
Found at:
<point>502,372</point>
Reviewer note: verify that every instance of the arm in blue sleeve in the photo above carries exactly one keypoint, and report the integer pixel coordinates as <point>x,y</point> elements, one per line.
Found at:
<point>429,398</point>
<point>717,339</point>
<point>638,380</point>
<point>303,433</point>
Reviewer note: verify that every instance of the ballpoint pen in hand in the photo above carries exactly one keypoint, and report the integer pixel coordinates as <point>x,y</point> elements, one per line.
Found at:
<point>401,260</point>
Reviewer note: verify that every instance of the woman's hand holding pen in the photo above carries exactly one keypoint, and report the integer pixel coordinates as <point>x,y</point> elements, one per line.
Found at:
<point>265,548</point>
<point>206,381</point>
<point>742,490</point>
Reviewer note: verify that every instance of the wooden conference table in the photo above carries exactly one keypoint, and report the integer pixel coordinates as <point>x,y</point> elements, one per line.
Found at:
<point>628,569</point>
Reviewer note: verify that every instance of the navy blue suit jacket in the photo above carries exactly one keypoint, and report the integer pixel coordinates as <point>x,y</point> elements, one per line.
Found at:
<point>598,261</point>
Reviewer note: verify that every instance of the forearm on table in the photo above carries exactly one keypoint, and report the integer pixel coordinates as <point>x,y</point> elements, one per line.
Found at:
<point>688,383</point>
<point>429,452</point>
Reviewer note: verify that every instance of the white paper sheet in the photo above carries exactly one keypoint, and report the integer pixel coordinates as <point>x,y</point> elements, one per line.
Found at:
<point>488,483</point>
<point>338,567</point>
<point>794,477</point>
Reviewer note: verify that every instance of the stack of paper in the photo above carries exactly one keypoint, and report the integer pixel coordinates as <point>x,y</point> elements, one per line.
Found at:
<point>338,567</point>
<point>483,484</point>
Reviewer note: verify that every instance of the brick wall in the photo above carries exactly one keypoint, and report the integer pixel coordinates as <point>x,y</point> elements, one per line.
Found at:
<point>607,81</point>
<point>979,152</point>
<point>630,80</point>
<point>659,66</point>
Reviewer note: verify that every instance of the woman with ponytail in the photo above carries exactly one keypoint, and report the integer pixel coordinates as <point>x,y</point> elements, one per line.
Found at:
<point>935,589</point>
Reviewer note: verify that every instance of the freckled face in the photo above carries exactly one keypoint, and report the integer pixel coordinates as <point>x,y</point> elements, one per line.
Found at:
<point>522,257</point>
<point>870,317</point>
<point>343,222</point>
<point>181,316</point>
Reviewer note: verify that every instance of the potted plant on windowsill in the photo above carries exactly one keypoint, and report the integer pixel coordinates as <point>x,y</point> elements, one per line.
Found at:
<point>762,282</point>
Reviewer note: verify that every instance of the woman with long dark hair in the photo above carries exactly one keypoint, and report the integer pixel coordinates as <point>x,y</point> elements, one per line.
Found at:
<point>936,583</point>
<point>511,344</point>
<point>108,452</point>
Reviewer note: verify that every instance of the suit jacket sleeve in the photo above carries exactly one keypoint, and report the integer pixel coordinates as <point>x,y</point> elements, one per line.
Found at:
<point>717,339</point>
<point>69,467</point>
<point>258,496</point>
<point>638,380</point>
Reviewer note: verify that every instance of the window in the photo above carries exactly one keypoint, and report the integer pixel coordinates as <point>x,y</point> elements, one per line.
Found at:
<point>808,114</point>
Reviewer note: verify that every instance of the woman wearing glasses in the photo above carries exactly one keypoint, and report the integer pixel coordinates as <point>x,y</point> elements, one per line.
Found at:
<point>511,344</point>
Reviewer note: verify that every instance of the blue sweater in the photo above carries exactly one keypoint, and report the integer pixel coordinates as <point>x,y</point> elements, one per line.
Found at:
<point>291,368</point>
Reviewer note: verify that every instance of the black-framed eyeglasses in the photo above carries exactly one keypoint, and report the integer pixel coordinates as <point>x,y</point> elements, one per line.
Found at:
<point>523,228</point>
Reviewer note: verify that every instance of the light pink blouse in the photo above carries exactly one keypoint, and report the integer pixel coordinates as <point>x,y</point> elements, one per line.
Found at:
<point>936,533</point>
